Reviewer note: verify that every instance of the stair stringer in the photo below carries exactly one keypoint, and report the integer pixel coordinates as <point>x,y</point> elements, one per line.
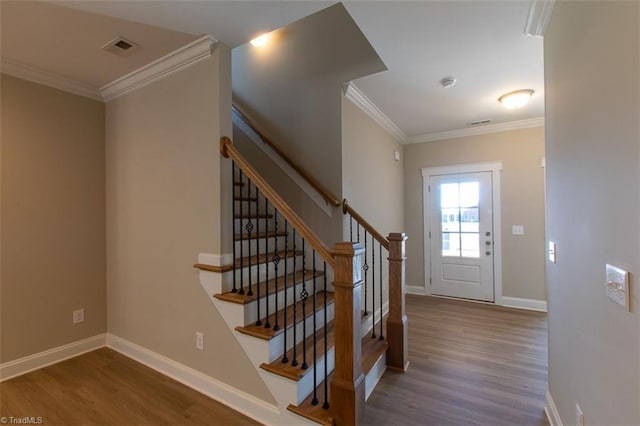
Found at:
<point>283,390</point>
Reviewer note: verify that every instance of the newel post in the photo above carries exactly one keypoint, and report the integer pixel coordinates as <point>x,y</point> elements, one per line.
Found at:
<point>347,383</point>
<point>397,354</point>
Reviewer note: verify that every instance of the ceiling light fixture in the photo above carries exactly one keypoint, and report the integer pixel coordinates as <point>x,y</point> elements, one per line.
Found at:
<point>516,99</point>
<point>260,40</point>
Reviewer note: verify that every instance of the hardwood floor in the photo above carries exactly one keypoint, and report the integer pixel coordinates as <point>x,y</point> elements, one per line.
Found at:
<point>105,388</point>
<point>470,364</point>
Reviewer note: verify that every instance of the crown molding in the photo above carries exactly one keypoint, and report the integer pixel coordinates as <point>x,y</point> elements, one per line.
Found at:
<point>482,130</point>
<point>356,96</point>
<point>46,78</point>
<point>190,54</point>
<point>538,18</point>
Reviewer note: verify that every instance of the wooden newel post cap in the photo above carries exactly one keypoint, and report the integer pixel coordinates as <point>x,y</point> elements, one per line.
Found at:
<point>347,249</point>
<point>397,236</point>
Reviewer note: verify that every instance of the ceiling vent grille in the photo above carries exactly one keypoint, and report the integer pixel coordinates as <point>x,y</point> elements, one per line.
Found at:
<point>479,122</point>
<point>120,46</point>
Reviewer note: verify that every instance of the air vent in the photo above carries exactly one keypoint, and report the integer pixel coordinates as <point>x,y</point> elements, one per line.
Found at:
<point>120,46</point>
<point>479,122</point>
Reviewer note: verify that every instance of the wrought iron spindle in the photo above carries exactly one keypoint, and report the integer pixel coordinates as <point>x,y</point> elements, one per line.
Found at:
<point>373,289</point>
<point>233,215</point>
<point>358,228</point>
<point>314,401</point>
<point>304,295</point>
<point>249,231</point>
<point>266,263</point>
<point>350,228</point>
<point>325,405</point>
<point>240,219</point>
<point>294,362</point>
<point>257,235</point>
<point>276,261</point>
<point>380,252</point>
<point>365,268</point>
<point>285,358</point>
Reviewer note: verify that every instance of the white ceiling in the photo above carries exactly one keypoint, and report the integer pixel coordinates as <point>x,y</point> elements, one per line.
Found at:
<point>480,43</point>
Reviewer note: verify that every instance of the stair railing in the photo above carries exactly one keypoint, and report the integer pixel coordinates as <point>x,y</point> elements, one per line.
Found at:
<point>394,245</point>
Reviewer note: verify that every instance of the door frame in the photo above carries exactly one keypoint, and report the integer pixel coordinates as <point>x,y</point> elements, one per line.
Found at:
<point>495,168</point>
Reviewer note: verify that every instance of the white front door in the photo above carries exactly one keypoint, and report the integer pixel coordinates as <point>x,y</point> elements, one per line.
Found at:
<point>461,235</point>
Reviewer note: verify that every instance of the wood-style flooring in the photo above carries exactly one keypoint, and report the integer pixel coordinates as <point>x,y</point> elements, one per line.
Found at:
<point>470,364</point>
<point>104,387</point>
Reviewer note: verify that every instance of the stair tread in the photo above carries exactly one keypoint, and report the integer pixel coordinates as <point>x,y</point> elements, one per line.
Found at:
<point>296,373</point>
<point>238,183</point>
<point>243,299</point>
<point>372,350</point>
<point>261,332</point>
<point>263,258</point>
<point>253,236</point>
<point>245,198</point>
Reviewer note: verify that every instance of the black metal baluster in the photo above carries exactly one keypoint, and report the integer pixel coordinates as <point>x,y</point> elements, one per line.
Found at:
<point>249,231</point>
<point>365,267</point>
<point>285,359</point>
<point>314,401</point>
<point>257,235</point>
<point>358,228</point>
<point>381,315</point>
<point>276,261</point>
<point>266,262</point>
<point>373,290</point>
<point>241,291</point>
<point>350,228</point>
<point>304,295</point>
<point>294,362</point>
<point>325,405</point>
<point>233,215</point>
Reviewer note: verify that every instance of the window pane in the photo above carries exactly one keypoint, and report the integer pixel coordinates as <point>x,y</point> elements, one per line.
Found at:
<point>451,244</point>
<point>449,195</point>
<point>470,220</point>
<point>470,245</point>
<point>469,194</point>
<point>450,222</point>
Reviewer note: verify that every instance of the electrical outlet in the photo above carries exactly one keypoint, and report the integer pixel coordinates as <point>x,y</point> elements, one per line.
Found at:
<point>617,285</point>
<point>199,340</point>
<point>517,230</point>
<point>579,416</point>
<point>552,252</point>
<point>78,316</point>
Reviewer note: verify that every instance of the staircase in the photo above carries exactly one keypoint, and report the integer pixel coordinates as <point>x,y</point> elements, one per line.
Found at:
<point>308,318</point>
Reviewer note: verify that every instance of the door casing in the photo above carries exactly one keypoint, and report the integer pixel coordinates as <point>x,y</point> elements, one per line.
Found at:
<point>495,168</point>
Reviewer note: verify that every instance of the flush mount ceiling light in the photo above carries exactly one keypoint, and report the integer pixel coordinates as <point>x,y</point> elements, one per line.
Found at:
<point>260,40</point>
<point>516,99</point>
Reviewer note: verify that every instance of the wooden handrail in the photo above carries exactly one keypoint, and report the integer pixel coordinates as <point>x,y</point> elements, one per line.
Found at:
<point>346,208</point>
<point>228,150</point>
<point>326,195</point>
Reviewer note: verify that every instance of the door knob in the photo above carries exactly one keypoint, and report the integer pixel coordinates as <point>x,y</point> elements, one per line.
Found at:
<point>487,233</point>
<point>488,253</point>
<point>487,243</point>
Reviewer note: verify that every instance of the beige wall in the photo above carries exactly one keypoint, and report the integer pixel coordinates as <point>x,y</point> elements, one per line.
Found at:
<point>53,218</point>
<point>293,92</point>
<point>522,202</point>
<point>372,179</point>
<point>165,178</point>
<point>593,209</point>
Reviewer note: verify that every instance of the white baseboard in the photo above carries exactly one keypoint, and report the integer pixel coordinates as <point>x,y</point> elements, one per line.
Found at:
<point>551,411</point>
<point>530,304</point>
<point>246,404</point>
<point>29,363</point>
<point>414,289</point>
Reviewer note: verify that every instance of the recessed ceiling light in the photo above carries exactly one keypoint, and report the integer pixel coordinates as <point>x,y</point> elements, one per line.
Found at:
<point>260,40</point>
<point>516,99</point>
<point>448,82</point>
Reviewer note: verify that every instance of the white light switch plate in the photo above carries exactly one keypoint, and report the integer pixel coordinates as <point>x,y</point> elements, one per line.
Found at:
<point>617,285</point>
<point>552,252</point>
<point>517,230</point>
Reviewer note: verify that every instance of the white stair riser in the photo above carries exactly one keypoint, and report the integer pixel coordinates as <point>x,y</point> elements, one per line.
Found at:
<point>259,224</point>
<point>276,345</point>
<point>251,312</point>
<point>258,272</point>
<point>305,386</point>
<point>262,245</point>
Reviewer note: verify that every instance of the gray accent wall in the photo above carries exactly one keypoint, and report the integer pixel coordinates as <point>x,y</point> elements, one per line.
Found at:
<point>592,75</point>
